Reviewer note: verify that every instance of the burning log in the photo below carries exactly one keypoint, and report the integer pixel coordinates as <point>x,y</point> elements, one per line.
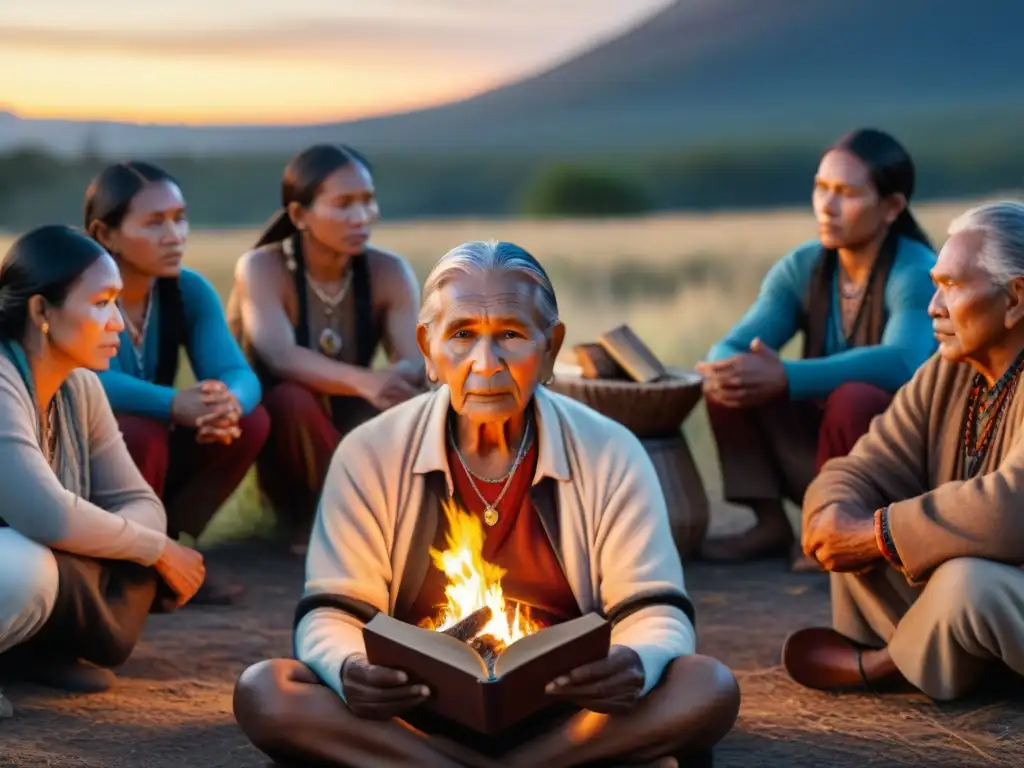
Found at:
<point>489,647</point>
<point>470,627</point>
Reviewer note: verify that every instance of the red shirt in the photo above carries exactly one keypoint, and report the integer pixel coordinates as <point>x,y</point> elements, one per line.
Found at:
<point>517,543</point>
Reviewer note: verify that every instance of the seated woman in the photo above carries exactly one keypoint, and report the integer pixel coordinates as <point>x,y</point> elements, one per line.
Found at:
<point>859,294</point>
<point>83,547</point>
<point>310,305</point>
<point>572,511</point>
<point>194,445</point>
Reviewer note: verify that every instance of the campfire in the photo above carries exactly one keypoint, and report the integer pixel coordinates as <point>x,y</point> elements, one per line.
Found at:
<point>476,611</point>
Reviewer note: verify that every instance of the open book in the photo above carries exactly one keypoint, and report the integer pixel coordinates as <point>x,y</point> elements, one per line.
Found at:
<point>461,685</point>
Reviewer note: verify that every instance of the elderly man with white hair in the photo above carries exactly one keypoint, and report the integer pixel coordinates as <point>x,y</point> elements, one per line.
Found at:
<point>572,512</point>
<point>921,524</point>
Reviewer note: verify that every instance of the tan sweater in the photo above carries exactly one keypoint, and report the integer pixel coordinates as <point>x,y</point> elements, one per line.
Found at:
<point>613,535</point>
<point>912,458</point>
<point>121,520</point>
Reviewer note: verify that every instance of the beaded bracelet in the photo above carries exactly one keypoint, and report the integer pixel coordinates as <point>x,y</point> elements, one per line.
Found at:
<point>883,536</point>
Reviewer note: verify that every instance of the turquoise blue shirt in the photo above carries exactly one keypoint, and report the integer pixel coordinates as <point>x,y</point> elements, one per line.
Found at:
<point>212,352</point>
<point>907,341</point>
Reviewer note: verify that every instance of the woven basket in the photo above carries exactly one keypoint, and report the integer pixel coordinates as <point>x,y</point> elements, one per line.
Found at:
<point>648,410</point>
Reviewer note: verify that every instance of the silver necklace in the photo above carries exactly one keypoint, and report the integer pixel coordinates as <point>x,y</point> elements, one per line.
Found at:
<point>330,341</point>
<point>329,300</point>
<point>138,335</point>
<point>851,294</point>
<point>491,515</point>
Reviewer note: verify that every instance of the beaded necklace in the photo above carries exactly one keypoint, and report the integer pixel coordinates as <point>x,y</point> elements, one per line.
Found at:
<point>986,406</point>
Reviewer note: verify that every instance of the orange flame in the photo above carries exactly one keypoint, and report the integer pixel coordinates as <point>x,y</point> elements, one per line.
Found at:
<point>473,582</point>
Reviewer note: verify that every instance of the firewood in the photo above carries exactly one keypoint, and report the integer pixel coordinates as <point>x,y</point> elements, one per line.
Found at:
<point>470,626</point>
<point>489,647</point>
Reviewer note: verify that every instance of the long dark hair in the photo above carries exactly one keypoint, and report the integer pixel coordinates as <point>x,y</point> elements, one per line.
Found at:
<point>46,262</point>
<point>892,172</point>
<point>111,192</point>
<point>301,183</point>
<point>107,200</point>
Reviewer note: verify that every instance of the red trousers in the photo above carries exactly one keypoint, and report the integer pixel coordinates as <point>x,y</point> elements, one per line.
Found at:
<point>303,436</point>
<point>191,478</point>
<point>774,451</point>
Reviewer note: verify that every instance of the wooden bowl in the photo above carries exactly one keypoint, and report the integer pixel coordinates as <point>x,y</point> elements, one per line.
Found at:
<point>648,410</point>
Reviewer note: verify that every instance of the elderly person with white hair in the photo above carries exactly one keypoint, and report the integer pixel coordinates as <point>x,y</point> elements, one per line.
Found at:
<point>921,523</point>
<point>572,511</point>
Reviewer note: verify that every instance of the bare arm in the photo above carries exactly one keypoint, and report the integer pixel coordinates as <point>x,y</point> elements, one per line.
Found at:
<point>401,312</point>
<point>267,326</point>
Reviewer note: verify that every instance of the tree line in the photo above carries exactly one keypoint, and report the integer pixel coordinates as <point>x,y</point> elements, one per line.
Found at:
<point>37,187</point>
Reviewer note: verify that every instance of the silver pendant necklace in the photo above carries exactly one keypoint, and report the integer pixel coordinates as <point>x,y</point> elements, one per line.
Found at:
<point>330,341</point>
<point>491,515</point>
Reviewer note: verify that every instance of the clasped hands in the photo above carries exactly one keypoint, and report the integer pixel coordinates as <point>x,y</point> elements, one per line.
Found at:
<point>611,686</point>
<point>746,379</point>
<point>211,409</point>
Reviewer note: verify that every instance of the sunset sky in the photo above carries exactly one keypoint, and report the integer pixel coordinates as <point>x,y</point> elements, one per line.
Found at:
<point>234,61</point>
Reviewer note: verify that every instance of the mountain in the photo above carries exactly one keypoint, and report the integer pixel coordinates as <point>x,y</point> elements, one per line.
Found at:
<point>698,71</point>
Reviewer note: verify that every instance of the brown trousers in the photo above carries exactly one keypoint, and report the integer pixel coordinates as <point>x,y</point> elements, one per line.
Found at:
<point>966,621</point>
<point>772,452</point>
<point>98,615</point>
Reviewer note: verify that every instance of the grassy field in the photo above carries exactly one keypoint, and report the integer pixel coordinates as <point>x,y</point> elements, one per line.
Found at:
<point>679,281</point>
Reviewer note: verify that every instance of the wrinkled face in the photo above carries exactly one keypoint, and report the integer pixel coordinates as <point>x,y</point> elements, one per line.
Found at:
<point>487,345</point>
<point>970,312</point>
<point>151,238</point>
<point>849,211</point>
<point>343,212</point>
<point>85,328</point>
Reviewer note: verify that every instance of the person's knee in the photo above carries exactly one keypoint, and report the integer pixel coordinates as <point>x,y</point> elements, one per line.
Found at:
<point>965,585</point>
<point>28,588</point>
<point>265,704</point>
<point>146,440</point>
<point>855,403</point>
<point>255,428</point>
<point>289,402</point>
<point>717,695</point>
<point>141,432</point>
<point>718,412</point>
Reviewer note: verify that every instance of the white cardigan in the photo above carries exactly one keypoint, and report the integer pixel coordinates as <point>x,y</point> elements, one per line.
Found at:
<point>615,543</point>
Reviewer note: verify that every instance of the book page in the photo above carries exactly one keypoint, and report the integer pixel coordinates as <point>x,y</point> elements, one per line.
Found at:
<point>425,642</point>
<point>529,648</point>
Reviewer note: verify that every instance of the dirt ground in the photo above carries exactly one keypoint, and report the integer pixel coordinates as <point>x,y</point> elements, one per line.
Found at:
<point>172,706</point>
